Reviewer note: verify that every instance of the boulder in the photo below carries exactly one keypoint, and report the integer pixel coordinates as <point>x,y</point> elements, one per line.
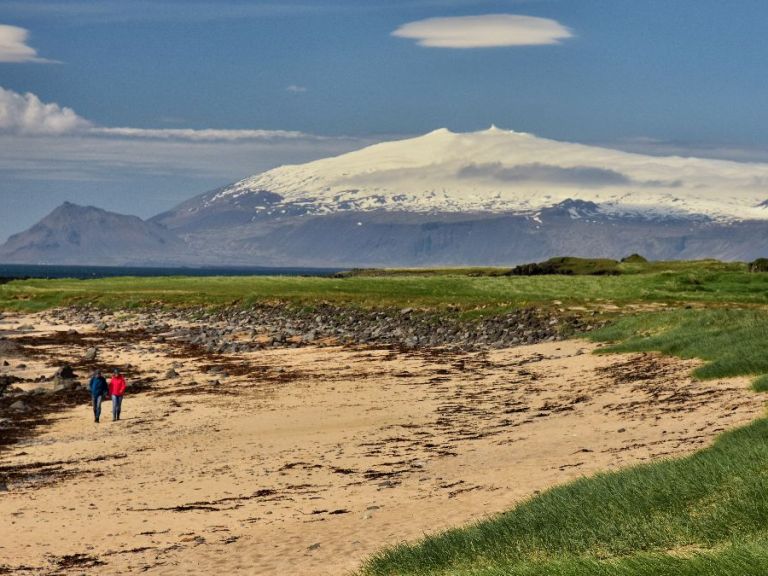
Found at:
<point>90,354</point>
<point>63,385</point>
<point>19,406</point>
<point>65,373</point>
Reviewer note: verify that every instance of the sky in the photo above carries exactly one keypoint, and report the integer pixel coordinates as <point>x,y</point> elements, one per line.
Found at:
<point>135,106</point>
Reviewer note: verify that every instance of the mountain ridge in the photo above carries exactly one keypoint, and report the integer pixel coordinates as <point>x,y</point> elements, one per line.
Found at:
<point>493,197</point>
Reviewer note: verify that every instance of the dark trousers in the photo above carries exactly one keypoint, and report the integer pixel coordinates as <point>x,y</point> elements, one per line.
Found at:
<point>97,407</point>
<point>117,403</point>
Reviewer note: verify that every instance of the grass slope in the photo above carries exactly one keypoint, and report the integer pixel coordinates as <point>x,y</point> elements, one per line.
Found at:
<point>733,342</point>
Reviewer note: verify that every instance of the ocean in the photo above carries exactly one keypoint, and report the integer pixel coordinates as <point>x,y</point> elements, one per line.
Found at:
<point>14,271</point>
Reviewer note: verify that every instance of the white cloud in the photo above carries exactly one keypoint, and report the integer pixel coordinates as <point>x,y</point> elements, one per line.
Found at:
<point>486,31</point>
<point>14,47</point>
<point>200,135</point>
<point>25,114</point>
<point>296,89</point>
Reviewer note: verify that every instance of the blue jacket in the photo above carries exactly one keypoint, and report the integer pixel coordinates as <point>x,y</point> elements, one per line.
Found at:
<point>98,386</point>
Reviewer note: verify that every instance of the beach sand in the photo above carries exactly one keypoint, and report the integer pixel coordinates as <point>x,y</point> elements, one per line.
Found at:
<point>307,460</point>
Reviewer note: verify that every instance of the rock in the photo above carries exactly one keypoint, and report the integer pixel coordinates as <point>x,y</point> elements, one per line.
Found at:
<point>3,487</point>
<point>314,546</point>
<point>101,326</point>
<point>21,366</point>
<point>5,422</point>
<point>71,332</point>
<point>171,373</point>
<point>64,373</point>
<point>19,406</point>
<point>90,354</point>
<point>62,385</point>
<point>6,363</point>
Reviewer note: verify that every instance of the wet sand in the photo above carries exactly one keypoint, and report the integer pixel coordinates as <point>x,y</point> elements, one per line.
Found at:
<point>306,460</point>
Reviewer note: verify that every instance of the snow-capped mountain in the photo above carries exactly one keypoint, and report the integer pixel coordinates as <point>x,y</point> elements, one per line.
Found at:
<point>493,197</point>
<point>501,171</point>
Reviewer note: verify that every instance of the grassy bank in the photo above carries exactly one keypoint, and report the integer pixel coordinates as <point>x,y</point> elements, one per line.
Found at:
<point>670,283</point>
<point>733,342</point>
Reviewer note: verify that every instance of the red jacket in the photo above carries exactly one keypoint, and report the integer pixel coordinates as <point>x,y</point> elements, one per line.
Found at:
<point>117,386</point>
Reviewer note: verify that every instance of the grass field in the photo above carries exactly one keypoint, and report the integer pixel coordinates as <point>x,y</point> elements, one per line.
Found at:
<point>708,282</point>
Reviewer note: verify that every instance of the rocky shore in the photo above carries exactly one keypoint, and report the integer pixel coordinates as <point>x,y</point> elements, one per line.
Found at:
<point>235,330</point>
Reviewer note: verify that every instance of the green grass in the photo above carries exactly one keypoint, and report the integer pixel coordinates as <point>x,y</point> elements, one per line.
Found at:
<point>733,342</point>
<point>704,514</point>
<point>672,283</point>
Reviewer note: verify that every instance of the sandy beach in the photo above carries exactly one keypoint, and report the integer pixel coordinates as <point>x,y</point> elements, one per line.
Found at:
<point>306,460</point>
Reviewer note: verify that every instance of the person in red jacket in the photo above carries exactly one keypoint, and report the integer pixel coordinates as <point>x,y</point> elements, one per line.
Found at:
<point>116,390</point>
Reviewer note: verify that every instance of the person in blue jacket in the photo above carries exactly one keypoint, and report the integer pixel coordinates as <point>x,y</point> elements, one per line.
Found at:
<point>99,389</point>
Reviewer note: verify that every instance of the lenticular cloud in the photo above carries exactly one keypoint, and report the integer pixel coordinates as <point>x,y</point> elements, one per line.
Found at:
<point>14,47</point>
<point>485,31</point>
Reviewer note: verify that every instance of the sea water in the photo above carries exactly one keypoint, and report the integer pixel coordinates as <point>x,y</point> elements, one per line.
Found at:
<point>10,271</point>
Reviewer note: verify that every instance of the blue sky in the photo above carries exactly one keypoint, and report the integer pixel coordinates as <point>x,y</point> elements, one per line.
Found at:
<point>685,76</point>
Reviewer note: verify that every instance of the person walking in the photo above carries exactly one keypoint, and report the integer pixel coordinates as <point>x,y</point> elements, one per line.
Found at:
<point>117,389</point>
<point>99,388</point>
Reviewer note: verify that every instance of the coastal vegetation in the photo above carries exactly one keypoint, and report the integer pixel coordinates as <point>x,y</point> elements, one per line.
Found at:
<point>486,290</point>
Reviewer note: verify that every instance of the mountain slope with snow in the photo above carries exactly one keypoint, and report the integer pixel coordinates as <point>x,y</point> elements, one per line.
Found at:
<point>493,197</point>
<point>500,171</point>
